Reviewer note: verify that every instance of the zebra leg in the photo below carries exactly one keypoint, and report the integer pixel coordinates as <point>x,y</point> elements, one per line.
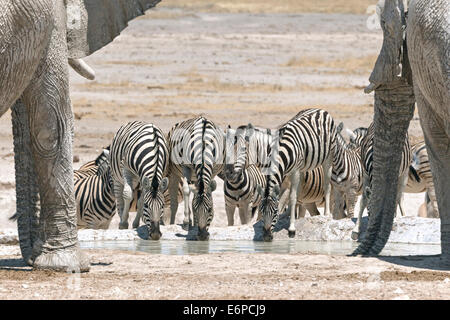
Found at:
<point>351,202</point>
<point>327,171</point>
<point>401,186</point>
<point>186,192</point>
<point>127,196</point>
<point>174,181</point>
<point>363,204</point>
<point>118,192</point>
<point>230,208</point>
<point>312,209</point>
<point>243,213</point>
<point>139,210</point>
<point>295,182</point>
<point>301,211</point>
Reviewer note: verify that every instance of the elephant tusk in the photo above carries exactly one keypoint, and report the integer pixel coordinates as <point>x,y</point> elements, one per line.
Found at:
<point>372,86</point>
<point>82,68</point>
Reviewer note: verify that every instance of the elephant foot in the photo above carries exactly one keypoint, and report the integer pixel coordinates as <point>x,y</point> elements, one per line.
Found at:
<point>63,260</point>
<point>355,235</point>
<point>291,234</point>
<point>123,225</point>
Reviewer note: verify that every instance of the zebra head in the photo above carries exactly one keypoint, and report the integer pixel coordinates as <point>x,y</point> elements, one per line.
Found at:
<point>269,209</point>
<point>357,136</point>
<point>202,207</point>
<point>153,204</point>
<point>241,141</point>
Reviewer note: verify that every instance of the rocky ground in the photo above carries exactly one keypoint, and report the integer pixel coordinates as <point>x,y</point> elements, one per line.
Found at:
<point>234,62</point>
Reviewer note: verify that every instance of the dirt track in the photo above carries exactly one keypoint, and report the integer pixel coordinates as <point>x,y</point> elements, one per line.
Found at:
<point>259,62</point>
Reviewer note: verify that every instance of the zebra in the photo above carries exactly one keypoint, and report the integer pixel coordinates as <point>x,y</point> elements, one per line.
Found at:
<point>196,146</point>
<point>306,142</point>
<point>139,155</point>
<point>93,193</point>
<point>256,144</point>
<point>347,174</point>
<point>367,160</point>
<point>420,178</point>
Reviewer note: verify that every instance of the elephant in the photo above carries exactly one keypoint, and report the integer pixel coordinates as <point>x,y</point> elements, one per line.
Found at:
<point>413,67</point>
<point>38,41</point>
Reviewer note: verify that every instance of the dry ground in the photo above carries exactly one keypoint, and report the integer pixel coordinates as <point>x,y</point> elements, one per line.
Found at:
<point>234,62</point>
<point>124,275</point>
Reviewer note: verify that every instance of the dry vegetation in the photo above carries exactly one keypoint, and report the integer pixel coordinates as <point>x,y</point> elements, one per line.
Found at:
<point>271,6</point>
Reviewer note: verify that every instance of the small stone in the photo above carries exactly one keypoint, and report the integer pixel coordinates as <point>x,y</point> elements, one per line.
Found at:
<point>399,291</point>
<point>446,280</point>
<point>314,285</point>
<point>76,158</point>
<point>25,286</point>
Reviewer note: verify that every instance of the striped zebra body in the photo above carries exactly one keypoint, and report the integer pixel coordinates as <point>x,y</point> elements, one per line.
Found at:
<point>306,142</point>
<point>94,195</point>
<point>258,143</point>
<point>197,154</point>
<point>240,192</point>
<point>420,178</point>
<point>139,156</point>
<point>367,159</point>
<point>347,176</point>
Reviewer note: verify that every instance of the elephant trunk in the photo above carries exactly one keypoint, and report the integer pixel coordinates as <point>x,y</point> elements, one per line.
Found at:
<point>394,109</point>
<point>27,195</point>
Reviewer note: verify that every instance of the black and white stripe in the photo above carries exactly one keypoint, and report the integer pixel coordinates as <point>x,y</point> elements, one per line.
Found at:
<point>306,142</point>
<point>139,156</point>
<point>94,194</point>
<point>420,178</point>
<point>347,175</point>
<point>197,154</point>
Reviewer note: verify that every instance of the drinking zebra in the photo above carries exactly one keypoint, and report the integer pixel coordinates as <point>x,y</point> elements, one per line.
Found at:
<point>306,142</point>
<point>139,155</point>
<point>197,155</point>
<point>420,178</point>
<point>367,160</point>
<point>347,174</point>
<point>254,149</point>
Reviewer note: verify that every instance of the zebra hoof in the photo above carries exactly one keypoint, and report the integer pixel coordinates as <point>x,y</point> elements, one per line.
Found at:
<point>123,225</point>
<point>355,235</point>
<point>291,234</point>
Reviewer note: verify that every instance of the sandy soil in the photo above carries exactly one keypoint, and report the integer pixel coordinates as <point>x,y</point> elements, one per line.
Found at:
<point>234,62</point>
<point>124,275</point>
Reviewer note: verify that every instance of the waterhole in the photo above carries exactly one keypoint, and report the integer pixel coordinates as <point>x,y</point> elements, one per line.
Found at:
<point>177,247</point>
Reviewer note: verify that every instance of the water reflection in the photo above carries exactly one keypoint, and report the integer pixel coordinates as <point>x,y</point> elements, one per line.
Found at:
<point>177,247</point>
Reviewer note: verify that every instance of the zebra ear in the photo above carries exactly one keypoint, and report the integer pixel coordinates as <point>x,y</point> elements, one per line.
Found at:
<point>213,185</point>
<point>340,127</point>
<point>164,184</point>
<point>250,131</point>
<point>146,183</point>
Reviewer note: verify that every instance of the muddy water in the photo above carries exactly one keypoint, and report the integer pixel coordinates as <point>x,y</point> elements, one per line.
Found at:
<point>175,247</point>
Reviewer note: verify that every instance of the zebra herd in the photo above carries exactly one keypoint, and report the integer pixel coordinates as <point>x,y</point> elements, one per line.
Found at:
<point>304,163</point>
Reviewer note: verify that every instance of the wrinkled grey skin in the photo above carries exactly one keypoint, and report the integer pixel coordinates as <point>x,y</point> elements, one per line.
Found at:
<point>425,79</point>
<point>37,39</point>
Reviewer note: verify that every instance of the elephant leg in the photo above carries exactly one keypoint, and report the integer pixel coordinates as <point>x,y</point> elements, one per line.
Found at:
<point>327,171</point>
<point>51,130</point>
<point>437,138</point>
<point>295,185</point>
<point>27,192</point>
